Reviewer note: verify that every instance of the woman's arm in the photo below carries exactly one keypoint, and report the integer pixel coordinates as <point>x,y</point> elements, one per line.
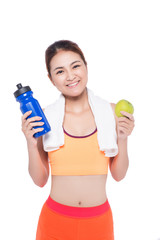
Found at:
<point>119,164</point>
<point>38,166</point>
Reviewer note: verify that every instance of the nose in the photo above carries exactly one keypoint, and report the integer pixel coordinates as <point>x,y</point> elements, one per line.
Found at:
<point>70,75</point>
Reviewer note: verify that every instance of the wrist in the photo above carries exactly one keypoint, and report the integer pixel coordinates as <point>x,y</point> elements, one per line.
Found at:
<point>122,140</point>
<point>32,144</point>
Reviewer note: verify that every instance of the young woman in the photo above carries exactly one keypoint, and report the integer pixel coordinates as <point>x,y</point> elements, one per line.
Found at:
<point>77,207</point>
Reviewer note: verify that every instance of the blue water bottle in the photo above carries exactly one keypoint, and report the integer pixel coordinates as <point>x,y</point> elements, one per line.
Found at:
<point>24,96</point>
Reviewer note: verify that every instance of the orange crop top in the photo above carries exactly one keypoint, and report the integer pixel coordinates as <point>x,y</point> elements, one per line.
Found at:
<point>80,155</point>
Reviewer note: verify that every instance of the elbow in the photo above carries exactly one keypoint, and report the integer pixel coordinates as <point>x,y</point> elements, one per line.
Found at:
<point>120,174</point>
<point>119,178</point>
<point>42,182</point>
<point>39,181</point>
<point>41,185</point>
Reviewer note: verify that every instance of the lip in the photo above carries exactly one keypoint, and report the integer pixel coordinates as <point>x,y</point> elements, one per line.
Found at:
<point>74,85</point>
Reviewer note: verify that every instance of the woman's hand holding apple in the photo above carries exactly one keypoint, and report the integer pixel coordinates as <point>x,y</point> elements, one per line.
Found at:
<point>125,125</point>
<point>125,120</point>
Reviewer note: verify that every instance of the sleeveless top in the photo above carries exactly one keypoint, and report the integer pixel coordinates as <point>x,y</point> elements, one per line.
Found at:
<point>80,155</point>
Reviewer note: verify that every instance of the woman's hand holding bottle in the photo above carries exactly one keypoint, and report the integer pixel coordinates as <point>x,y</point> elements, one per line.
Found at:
<point>27,127</point>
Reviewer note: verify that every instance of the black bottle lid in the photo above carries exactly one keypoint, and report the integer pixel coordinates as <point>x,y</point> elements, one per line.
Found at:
<point>21,90</point>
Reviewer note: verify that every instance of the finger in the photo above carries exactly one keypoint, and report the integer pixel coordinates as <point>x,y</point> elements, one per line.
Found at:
<point>35,130</point>
<point>124,131</point>
<point>35,124</point>
<point>32,119</point>
<point>129,115</point>
<point>30,132</point>
<point>25,115</point>
<point>30,122</point>
<point>124,119</point>
<point>124,124</point>
<point>31,125</point>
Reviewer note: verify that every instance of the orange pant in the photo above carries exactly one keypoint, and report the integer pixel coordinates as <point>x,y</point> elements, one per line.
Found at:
<point>62,222</point>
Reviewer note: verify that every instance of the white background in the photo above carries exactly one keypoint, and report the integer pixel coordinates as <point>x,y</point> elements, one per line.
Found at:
<point>121,43</point>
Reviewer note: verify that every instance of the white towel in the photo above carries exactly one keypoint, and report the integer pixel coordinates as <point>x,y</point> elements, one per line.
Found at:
<point>104,119</point>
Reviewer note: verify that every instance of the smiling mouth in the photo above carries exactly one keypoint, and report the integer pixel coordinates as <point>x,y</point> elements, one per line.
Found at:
<point>73,84</point>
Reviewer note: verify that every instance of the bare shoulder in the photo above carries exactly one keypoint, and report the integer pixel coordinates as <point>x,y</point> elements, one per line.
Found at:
<point>113,106</point>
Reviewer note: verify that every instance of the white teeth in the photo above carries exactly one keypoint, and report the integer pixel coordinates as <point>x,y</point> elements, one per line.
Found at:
<point>72,84</point>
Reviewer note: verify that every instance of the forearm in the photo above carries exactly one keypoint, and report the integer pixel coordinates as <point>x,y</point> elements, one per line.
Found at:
<point>36,167</point>
<point>120,163</point>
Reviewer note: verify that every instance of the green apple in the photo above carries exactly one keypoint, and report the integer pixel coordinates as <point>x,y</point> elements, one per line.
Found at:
<point>123,105</point>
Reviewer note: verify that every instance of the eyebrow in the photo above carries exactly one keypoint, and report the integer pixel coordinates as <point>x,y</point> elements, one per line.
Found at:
<point>63,67</point>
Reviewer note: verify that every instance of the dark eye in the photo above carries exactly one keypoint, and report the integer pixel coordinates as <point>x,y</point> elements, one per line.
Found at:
<point>59,72</point>
<point>75,66</point>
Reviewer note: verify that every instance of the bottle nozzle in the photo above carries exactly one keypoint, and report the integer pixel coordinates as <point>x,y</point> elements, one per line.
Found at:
<point>19,86</point>
<point>21,90</point>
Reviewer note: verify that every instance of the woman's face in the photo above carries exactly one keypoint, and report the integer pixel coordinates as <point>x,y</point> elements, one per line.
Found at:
<point>66,68</point>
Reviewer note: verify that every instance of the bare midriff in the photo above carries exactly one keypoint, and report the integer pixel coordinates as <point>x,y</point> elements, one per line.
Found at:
<point>79,191</point>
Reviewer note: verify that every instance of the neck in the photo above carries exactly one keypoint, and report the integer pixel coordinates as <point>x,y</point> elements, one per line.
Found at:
<point>77,104</point>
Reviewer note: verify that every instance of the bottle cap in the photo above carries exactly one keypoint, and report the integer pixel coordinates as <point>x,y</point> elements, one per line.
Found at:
<point>21,90</point>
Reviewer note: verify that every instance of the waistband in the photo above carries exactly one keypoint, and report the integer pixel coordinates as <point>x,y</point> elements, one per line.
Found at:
<point>77,211</point>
